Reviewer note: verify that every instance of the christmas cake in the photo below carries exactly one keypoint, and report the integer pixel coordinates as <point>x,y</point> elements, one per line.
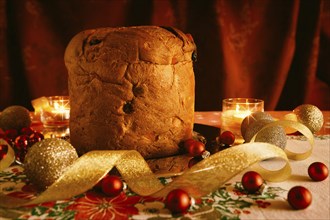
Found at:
<point>131,88</point>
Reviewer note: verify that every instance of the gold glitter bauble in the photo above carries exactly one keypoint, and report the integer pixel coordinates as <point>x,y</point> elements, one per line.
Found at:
<point>46,160</point>
<point>254,127</point>
<point>15,117</point>
<point>255,116</point>
<point>309,115</point>
<point>273,135</point>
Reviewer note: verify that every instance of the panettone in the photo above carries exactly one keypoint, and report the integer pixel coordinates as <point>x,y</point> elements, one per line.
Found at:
<point>131,88</point>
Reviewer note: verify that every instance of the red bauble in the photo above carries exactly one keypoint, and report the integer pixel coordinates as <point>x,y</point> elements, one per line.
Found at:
<point>35,137</point>
<point>22,142</point>
<point>194,148</point>
<point>227,138</point>
<point>299,197</point>
<point>112,185</point>
<point>252,181</point>
<point>318,171</point>
<point>187,143</point>
<point>178,201</point>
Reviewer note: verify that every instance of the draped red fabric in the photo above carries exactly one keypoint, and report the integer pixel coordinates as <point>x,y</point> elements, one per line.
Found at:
<point>275,50</point>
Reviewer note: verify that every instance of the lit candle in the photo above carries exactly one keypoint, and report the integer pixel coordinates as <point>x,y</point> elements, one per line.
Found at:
<point>54,110</point>
<point>61,110</point>
<point>234,110</point>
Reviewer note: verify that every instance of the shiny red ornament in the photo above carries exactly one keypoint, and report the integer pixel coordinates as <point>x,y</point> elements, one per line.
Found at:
<point>252,181</point>
<point>112,185</point>
<point>194,148</point>
<point>178,201</point>
<point>35,137</point>
<point>227,138</point>
<point>22,142</point>
<point>299,197</point>
<point>3,151</point>
<point>318,171</point>
<point>188,142</point>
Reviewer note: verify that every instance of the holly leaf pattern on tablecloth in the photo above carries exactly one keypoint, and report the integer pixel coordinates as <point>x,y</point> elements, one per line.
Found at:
<point>227,203</point>
<point>13,174</point>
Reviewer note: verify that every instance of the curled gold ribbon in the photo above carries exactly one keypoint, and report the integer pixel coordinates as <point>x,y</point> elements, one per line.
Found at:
<point>201,179</point>
<point>8,158</point>
<point>299,127</point>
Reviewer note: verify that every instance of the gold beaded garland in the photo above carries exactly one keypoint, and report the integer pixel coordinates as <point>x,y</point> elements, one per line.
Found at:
<point>46,160</point>
<point>309,115</point>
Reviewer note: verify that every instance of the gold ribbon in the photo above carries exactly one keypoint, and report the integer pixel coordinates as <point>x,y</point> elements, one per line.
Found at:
<point>201,179</point>
<point>8,158</point>
<point>299,127</point>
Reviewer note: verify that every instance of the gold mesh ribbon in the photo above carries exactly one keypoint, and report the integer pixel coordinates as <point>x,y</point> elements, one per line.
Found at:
<point>199,180</point>
<point>8,158</point>
<point>298,127</point>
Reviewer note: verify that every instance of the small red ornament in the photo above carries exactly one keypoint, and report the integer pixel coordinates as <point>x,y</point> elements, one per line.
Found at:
<point>178,201</point>
<point>194,148</point>
<point>227,138</point>
<point>252,181</point>
<point>22,142</point>
<point>299,197</point>
<point>318,171</point>
<point>35,137</point>
<point>112,185</point>
<point>188,142</point>
<point>3,151</point>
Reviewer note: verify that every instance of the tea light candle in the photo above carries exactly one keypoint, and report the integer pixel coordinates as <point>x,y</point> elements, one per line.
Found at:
<point>54,110</point>
<point>60,110</point>
<point>234,110</point>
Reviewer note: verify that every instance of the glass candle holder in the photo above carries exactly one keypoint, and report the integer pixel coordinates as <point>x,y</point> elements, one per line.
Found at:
<point>234,110</point>
<point>54,114</point>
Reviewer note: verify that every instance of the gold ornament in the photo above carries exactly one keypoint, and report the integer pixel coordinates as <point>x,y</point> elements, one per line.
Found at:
<point>309,115</point>
<point>254,127</point>
<point>15,117</point>
<point>46,160</point>
<point>9,158</point>
<point>273,135</point>
<point>255,116</point>
<point>91,167</point>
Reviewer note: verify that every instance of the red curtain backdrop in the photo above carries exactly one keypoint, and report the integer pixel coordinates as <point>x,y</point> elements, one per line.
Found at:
<point>275,50</point>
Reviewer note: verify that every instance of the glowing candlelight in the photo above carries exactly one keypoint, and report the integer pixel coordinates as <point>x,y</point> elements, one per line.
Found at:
<point>54,110</point>
<point>234,110</point>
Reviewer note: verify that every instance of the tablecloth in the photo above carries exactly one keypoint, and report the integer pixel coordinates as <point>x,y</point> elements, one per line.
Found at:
<point>228,202</point>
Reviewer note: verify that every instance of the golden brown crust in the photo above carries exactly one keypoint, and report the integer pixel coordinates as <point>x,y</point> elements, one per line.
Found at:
<point>131,88</point>
<point>169,165</point>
